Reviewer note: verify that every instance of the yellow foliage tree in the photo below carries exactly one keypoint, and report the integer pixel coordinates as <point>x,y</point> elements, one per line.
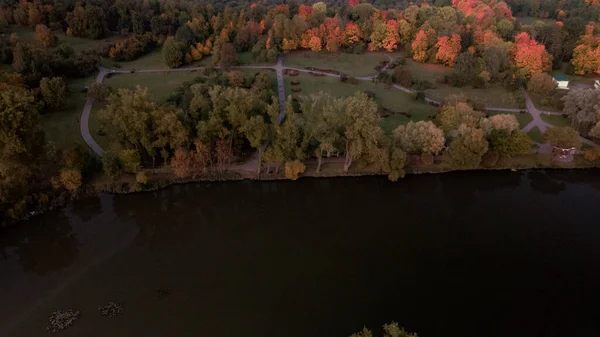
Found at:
<point>195,53</point>
<point>293,169</point>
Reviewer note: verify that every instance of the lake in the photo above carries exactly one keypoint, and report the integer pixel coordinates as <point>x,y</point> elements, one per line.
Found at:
<point>459,254</point>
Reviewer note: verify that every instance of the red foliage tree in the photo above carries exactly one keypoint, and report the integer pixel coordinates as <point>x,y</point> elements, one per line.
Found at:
<point>352,33</point>
<point>352,3</point>
<point>420,46</point>
<point>305,11</point>
<point>530,57</point>
<point>334,36</point>
<point>448,49</point>
<point>390,43</point>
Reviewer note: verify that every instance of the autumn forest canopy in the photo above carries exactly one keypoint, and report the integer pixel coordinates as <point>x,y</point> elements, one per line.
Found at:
<point>225,115</point>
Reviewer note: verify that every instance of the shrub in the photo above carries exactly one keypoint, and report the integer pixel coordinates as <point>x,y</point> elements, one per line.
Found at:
<point>293,169</point>
<point>71,179</point>
<point>132,47</point>
<point>420,96</point>
<point>541,84</point>
<point>403,77</point>
<point>54,92</point>
<point>141,178</point>
<point>130,160</point>
<point>99,91</point>
<point>591,155</point>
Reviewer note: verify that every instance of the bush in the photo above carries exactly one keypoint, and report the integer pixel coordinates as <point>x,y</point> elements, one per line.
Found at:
<point>403,77</point>
<point>71,179</point>
<point>293,169</point>
<point>420,96</point>
<point>541,84</point>
<point>141,178</point>
<point>132,47</point>
<point>130,160</point>
<point>99,91</point>
<point>423,85</point>
<point>591,155</point>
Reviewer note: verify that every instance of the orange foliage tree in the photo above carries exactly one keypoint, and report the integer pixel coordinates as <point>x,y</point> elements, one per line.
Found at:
<point>448,49</point>
<point>334,35</point>
<point>420,46</point>
<point>352,33</point>
<point>390,43</point>
<point>530,57</point>
<point>586,56</point>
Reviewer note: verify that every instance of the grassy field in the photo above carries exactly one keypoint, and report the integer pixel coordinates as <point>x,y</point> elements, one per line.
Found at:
<point>62,127</point>
<point>495,96</point>
<point>527,20</point>
<point>79,44</point>
<point>392,99</point>
<point>351,64</point>
<point>556,120</point>
<point>523,118</point>
<point>160,85</point>
<point>536,135</point>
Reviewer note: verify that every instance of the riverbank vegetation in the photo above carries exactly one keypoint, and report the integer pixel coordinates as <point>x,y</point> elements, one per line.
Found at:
<point>225,120</point>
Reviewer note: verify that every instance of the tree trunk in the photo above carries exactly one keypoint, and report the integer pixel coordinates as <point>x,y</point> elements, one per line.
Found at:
<point>277,168</point>
<point>259,160</point>
<point>319,165</point>
<point>348,160</point>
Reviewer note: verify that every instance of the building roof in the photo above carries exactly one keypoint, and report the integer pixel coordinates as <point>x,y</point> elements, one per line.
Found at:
<point>560,77</point>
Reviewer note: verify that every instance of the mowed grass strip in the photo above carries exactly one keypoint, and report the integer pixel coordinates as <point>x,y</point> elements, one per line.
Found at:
<point>556,120</point>
<point>160,85</point>
<point>357,65</point>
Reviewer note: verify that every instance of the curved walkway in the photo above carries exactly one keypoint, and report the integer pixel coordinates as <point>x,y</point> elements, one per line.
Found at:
<point>279,69</point>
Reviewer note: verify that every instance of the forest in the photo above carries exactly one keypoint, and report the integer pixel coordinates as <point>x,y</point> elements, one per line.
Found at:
<point>226,117</point>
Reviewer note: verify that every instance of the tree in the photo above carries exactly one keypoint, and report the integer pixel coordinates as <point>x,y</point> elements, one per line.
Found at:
<point>507,122</point>
<point>505,28</point>
<point>236,78</point>
<point>420,137</point>
<point>420,46</point>
<point>581,105</point>
<point>398,159</point>
<point>322,118</point>
<point>293,169</point>
<point>130,160</point>
<point>453,114</point>
<point>45,37</point>
<point>468,148</point>
<point>111,165</point>
<point>86,22</point>
<point>403,76</point>
<point>71,179</point>
<point>256,131</point>
<point>563,137</point>
<point>225,56</point>
<point>173,53</point>
<point>99,91</point>
<point>464,68</point>
<point>54,91</point>
<point>530,57</point>
<point>508,143</point>
<point>448,49</point>
<point>541,84</point>
<point>392,38</point>
<point>361,127</point>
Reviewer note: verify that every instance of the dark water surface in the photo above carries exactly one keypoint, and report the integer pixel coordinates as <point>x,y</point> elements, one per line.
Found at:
<point>466,254</point>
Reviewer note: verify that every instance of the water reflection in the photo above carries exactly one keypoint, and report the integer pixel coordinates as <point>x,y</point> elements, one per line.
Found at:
<point>42,246</point>
<point>87,209</point>
<point>545,183</point>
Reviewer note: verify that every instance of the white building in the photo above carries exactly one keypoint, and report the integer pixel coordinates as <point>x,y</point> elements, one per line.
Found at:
<point>562,82</point>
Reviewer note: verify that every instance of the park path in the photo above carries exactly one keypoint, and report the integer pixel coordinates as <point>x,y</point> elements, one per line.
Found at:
<point>279,68</point>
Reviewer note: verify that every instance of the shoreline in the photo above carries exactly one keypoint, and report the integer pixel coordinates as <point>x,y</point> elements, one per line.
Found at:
<point>160,180</point>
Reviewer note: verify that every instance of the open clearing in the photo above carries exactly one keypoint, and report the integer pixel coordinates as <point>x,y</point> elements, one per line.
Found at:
<point>527,20</point>
<point>356,65</point>
<point>160,85</point>
<point>392,99</point>
<point>62,127</point>
<point>536,135</point>
<point>79,44</point>
<point>556,120</point>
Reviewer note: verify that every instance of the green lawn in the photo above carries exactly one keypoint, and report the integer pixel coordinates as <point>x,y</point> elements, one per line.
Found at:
<point>556,120</point>
<point>392,99</point>
<point>523,118</point>
<point>160,85</point>
<point>79,44</point>
<point>426,71</point>
<point>62,127</point>
<point>536,135</point>
<point>351,64</point>
<point>527,20</point>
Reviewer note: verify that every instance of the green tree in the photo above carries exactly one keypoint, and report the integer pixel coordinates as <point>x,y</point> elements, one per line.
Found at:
<point>130,160</point>
<point>54,92</point>
<point>563,137</point>
<point>420,137</point>
<point>457,112</point>
<point>173,53</point>
<point>467,149</point>
<point>322,120</point>
<point>509,143</point>
<point>361,127</point>
<point>285,137</point>
<point>256,131</point>
<point>582,107</point>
